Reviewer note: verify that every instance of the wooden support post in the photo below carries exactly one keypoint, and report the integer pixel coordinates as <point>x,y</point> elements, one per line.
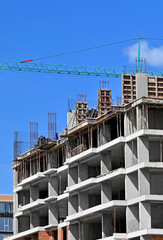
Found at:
<point>91,138</point>
<point>30,167</point>
<point>39,163</point>
<point>120,124</point>
<point>114,219</point>
<point>117,125</point>
<point>147,119</point>
<point>143,117</point>
<point>60,184</point>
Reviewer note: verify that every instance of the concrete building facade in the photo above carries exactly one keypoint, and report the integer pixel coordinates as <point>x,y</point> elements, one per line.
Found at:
<point>102,180</point>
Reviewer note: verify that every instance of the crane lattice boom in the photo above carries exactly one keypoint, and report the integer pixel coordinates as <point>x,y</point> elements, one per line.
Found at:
<point>71,70</point>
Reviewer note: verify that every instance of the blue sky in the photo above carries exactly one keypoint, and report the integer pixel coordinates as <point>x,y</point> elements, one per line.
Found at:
<point>31,29</point>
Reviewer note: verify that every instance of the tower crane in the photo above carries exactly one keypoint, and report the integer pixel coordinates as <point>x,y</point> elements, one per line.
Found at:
<point>32,66</point>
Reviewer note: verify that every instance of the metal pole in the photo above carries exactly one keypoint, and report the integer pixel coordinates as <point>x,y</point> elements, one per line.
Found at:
<point>139,54</point>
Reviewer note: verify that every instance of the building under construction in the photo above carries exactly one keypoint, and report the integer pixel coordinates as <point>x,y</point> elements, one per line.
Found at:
<point>101,180</point>
<point>154,87</point>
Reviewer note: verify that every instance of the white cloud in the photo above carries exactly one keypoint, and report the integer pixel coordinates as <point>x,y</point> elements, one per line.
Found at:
<point>154,56</point>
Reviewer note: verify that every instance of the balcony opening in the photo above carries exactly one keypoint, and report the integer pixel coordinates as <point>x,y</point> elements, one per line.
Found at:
<point>23,223</point>
<point>43,190</point>
<point>43,217</point>
<point>156,180</point>
<point>91,228</point>
<point>118,189</point>
<point>156,215</point>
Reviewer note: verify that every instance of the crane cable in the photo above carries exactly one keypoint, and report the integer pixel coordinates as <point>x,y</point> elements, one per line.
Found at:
<point>80,50</point>
<point>87,49</point>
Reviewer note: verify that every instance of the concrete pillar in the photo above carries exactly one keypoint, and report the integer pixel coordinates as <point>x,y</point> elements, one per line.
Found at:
<point>15,225</point>
<point>139,117</point>
<point>107,225</point>
<point>83,172</point>
<point>53,214</point>
<point>143,149</point>
<point>73,176</point>
<point>34,219</point>
<point>15,178</point>
<point>83,201</point>
<point>106,192</point>
<point>106,163</point>
<point>131,186</point>
<point>125,125</point>
<point>132,218</point>
<point>49,161</point>
<point>130,154</point>
<point>74,231</point>
<point>144,181</point>
<point>15,202</point>
<point>141,85</point>
<point>104,133</point>
<point>34,192</point>
<point>145,215</point>
<point>53,186</point>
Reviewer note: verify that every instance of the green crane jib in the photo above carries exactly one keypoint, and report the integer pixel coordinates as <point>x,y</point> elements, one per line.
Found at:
<point>71,70</point>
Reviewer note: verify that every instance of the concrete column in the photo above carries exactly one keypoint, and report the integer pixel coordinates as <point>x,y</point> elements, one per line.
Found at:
<point>53,186</point>
<point>74,231</point>
<point>15,178</point>
<point>107,225</point>
<point>34,192</point>
<point>143,149</point>
<point>131,186</point>
<point>132,218</point>
<point>141,85</point>
<point>125,125</point>
<point>83,201</point>
<point>49,161</point>
<point>130,154</point>
<point>73,176</point>
<point>15,202</point>
<point>34,219</point>
<point>83,172</point>
<point>145,215</point>
<point>106,192</point>
<point>15,225</point>
<point>53,214</point>
<point>144,181</point>
<point>139,117</point>
<point>106,163</point>
<point>15,209</point>
<point>104,134</point>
